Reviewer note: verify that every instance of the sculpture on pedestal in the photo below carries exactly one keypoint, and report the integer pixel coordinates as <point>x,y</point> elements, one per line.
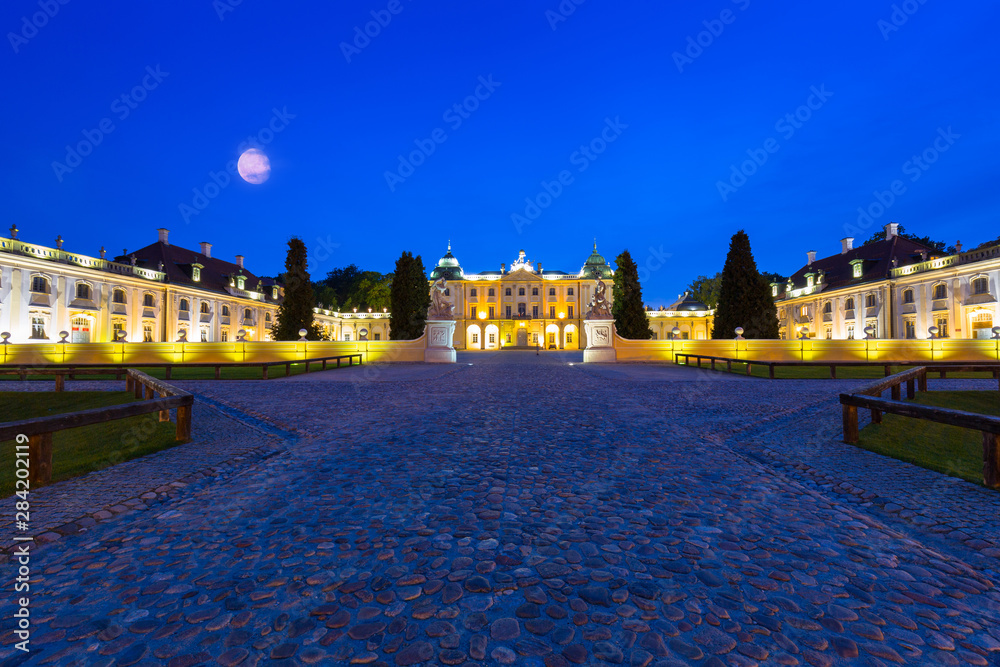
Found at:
<point>440,309</point>
<point>599,308</point>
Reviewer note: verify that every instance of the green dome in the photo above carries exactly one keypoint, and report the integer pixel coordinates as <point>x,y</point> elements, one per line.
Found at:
<point>447,267</point>
<point>596,266</point>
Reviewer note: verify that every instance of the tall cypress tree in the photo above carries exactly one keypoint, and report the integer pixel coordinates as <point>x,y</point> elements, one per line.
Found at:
<point>296,311</point>
<point>744,296</point>
<point>409,298</point>
<point>626,305</point>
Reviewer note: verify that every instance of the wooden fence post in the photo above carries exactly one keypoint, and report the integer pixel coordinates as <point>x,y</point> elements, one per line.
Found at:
<point>60,381</point>
<point>149,393</point>
<point>40,458</point>
<point>850,424</point>
<point>264,374</point>
<point>991,460</point>
<point>896,390</point>
<point>910,388</point>
<point>183,423</point>
<point>164,414</point>
<point>876,416</point>
<point>922,380</point>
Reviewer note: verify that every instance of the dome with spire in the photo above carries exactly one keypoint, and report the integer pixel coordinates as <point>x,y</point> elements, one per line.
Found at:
<point>596,266</point>
<point>687,302</point>
<point>447,267</point>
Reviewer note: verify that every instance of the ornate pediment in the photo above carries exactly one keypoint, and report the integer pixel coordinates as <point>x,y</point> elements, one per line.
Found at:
<point>522,275</point>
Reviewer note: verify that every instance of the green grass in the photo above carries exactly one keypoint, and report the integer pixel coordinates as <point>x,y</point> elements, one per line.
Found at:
<point>948,449</point>
<point>181,372</point>
<point>823,372</point>
<point>82,450</point>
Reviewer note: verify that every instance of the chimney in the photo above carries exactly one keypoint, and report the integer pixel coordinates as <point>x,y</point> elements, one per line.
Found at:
<point>812,257</point>
<point>206,249</point>
<point>239,261</point>
<point>891,231</point>
<point>164,235</point>
<point>846,245</point>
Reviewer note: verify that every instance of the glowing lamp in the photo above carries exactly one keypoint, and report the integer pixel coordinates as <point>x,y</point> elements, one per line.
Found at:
<point>302,334</point>
<point>5,336</point>
<point>182,336</point>
<point>676,331</point>
<point>739,333</point>
<point>120,335</point>
<point>996,334</point>
<point>562,316</point>
<point>933,331</point>
<point>869,331</point>
<point>482,316</point>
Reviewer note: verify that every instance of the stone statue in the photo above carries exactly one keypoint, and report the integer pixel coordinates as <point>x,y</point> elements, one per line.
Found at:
<point>440,308</point>
<point>599,308</point>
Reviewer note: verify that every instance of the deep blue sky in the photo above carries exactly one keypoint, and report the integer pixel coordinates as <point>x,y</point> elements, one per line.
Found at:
<point>654,187</point>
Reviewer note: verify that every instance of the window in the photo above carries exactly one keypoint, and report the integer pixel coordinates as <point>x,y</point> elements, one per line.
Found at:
<point>804,311</point>
<point>942,325</point>
<point>940,291</point>
<point>552,312</point>
<point>874,325</point>
<point>118,296</point>
<point>810,281</point>
<point>569,291</point>
<point>82,291</point>
<point>473,312</point>
<point>492,292</point>
<point>225,335</point>
<point>534,311</point>
<point>570,308</point>
<point>910,328</point>
<point>185,305</point>
<point>569,336</point>
<point>508,338</point>
<point>267,317</point>
<point>247,314</point>
<point>534,291</point>
<point>492,313</point>
<point>225,311</point>
<point>849,304</point>
<point>204,335</point>
<point>521,309</point>
<point>473,292</point>
<point>377,336</point>
<point>38,327</point>
<point>981,285</point>
<point>508,312</point>
<point>493,338</point>
<point>552,339</point>
<point>870,301</point>
<point>534,339</point>
<point>475,339</point>
<point>827,308</point>
<point>347,336</point>
<point>850,332</point>
<point>148,301</point>
<point>520,291</point>
<point>80,330</point>
<point>147,332</point>
<point>829,333</point>
<point>552,291</point>
<point>116,326</point>
<point>857,270</point>
<point>39,284</point>
<point>507,292</point>
<point>204,307</point>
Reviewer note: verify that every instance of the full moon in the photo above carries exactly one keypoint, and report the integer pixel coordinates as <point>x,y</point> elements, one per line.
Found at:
<point>254,166</point>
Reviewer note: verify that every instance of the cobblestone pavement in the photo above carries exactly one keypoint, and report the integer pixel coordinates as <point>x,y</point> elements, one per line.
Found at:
<point>519,511</point>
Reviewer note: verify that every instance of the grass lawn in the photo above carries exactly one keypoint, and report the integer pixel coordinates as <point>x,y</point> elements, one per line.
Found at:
<point>180,372</point>
<point>82,450</point>
<point>948,449</point>
<point>823,372</point>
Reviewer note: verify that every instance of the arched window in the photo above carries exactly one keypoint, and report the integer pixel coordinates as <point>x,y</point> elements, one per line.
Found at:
<point>148,301</point>
<point>473,292</point>
<point>204,307</point>
<point>247,314</point>
<point>225,311</point>
<point>981,285</point>
<point>849,304</point>
<point>40,284</point>
<point>185,305</point>
<point>552,291</point>
<point>118,296</point>
<point>267,317</point>
<point>82,291</point>
<point>908,296</point>
<point>492,292</point>
<point>534,291</point>
<point>940,291</point>
<point>827,308</point>
<point>507,292</point>
<point>870,301</point>
<point>520,291</point>
<point>569,291</point>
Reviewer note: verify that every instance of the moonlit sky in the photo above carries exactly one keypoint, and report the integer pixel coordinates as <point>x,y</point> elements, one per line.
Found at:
<point>655,187</point>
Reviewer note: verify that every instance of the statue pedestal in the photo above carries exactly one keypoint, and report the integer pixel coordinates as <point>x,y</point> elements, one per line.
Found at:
<point>440,337</point>
<point>600,338</point>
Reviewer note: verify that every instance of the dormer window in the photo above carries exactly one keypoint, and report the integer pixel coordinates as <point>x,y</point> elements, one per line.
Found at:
<point>810,280</point>
<point>774,289</point>
<point>274,292</point>
<point>240,281</point>
<point>196,272</point>
<point>857,268</point>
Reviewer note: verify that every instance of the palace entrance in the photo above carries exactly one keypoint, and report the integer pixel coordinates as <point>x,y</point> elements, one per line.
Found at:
<point>522,337</point>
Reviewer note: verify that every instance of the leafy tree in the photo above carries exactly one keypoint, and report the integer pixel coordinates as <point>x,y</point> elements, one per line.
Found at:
<point>409,298</point>
<point>744,296</point>
<point>296,311</point>
<point>626,302</point>
<point>350,287</point>
<point>940,246</point>
<point>706,289</point>
<point>772,278</point>
<point>987,244</point>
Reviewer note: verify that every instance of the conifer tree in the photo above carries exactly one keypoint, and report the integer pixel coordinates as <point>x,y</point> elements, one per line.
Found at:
<point>409,298</point>
<point>296,311</point>
<point>744,296</point>
<point>626,304</point>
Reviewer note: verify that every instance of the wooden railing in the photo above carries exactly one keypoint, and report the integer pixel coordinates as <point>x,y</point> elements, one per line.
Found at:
<point>870,397</point>
<point>941,369</point>
<point>159,397</point>
<point>63,371</point>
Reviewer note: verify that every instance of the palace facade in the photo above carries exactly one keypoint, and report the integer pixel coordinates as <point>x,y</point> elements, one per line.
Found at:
<point>893,288</point>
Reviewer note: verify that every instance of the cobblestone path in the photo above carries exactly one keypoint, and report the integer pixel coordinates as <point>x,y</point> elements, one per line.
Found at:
<point>519,511</point>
